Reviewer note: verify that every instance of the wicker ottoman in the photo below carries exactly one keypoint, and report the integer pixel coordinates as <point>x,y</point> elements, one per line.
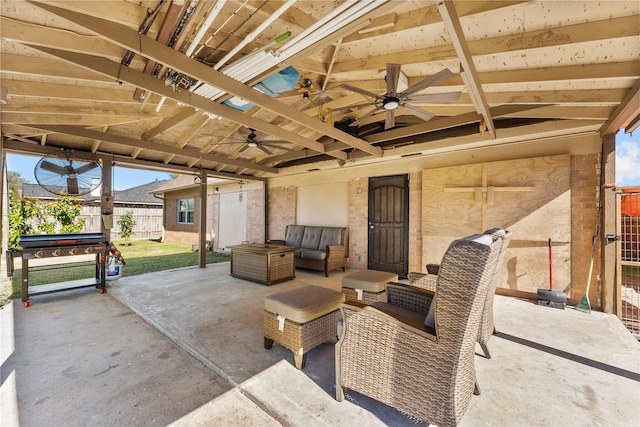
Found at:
<point>301,319</point>
<point>367,286</point>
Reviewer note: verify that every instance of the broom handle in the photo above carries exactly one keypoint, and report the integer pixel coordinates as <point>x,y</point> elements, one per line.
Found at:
<point>550,268</point>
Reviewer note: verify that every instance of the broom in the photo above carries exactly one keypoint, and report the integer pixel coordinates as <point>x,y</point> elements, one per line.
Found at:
<point>584,304</point>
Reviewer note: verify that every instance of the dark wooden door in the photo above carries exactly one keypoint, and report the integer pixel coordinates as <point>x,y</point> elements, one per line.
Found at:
<point>389,224</point>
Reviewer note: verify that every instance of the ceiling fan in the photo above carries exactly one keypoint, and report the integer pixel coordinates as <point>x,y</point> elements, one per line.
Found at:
<point>67,175</point>
<point>254,140</point>
<point>392,99</point>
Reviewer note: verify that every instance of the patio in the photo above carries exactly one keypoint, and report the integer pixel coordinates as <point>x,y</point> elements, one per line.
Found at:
<point>186,347</point>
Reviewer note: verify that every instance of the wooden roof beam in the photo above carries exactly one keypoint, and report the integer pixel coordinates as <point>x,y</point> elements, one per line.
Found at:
<point>467,67</point>
<point>151,49</point>
<point>627,112</point>
<point>144,145</point>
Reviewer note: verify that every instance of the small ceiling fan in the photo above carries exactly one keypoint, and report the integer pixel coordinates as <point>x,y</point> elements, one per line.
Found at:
<point>254,140</point>
<point>392,99</point>
<point>67,175</point>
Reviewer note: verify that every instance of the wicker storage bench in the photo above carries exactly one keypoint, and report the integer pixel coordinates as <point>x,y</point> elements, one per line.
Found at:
<point>367,286</point>
<point>301,319</point>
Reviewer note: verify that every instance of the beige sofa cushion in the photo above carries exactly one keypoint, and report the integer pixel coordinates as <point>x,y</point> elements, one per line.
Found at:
<point>304,304</point>
<point>369,280</point>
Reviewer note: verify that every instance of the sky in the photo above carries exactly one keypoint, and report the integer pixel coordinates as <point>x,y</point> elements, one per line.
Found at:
<point>627,166</point>
<point>628,158</point>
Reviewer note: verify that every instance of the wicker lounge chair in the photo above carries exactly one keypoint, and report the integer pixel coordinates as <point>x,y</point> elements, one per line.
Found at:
<point>487,325</point>
<point>389,354</point>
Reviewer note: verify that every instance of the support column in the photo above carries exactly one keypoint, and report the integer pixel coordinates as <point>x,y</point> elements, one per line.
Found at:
<point>202,228</point>
<point>608,253</point>
<point>106,199</point>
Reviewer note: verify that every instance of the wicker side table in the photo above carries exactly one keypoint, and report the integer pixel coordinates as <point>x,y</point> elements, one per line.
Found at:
<point>367,286</point>
<point>301,319</point>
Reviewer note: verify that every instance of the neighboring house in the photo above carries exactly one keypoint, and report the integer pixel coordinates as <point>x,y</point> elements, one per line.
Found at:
<point>235,211</point>
<point>146,208</point>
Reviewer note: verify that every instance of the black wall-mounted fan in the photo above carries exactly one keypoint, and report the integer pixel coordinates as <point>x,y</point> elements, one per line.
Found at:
<point>64,174</point>
<point>392,99</point>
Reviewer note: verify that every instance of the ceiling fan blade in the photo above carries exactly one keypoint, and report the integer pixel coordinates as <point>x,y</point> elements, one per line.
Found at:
<point>275,144</point>
<point>360,91</point>
<point>438,77</point>
<point>51,167</point>
<point>351,107</point>
<point>393,75</point>
<point>389,120</point>
<point>445,96</point>
<point>359,119</point>
<point>424,115</point>
<point>265,150</point>
<point>244,148</point>
<point>275,141</point>
<point>72,186</point>
<point>86,168</point>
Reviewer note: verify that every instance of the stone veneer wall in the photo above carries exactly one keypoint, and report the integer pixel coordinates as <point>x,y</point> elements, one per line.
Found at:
<point>585,190</point>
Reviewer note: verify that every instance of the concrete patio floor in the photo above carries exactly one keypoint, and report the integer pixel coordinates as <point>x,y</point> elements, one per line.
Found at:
<point>185,347</point>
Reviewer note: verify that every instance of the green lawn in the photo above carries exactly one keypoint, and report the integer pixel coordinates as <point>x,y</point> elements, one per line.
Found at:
<point>141,256</point>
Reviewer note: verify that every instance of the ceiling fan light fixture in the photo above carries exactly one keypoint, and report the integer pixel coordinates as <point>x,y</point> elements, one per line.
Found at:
<point>252,144</point>
<point>391,103</point>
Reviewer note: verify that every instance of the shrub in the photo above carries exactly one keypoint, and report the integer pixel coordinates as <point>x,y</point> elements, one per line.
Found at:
<point>126,224</point>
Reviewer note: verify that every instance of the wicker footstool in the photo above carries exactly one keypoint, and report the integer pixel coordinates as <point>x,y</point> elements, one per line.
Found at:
<point>301,319</point>
<point>367,286</point>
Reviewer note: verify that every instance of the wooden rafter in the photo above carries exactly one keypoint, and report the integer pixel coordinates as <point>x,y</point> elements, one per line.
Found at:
<point>468,68</point>
<point>151,49</point>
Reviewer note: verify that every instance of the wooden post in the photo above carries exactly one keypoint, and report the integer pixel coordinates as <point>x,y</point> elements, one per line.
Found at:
<point>608,226</point>
<point>106,199</point>
<point>202,229</point>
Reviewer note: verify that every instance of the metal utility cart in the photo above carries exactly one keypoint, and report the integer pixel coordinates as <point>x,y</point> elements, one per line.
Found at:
<point>61,246</point>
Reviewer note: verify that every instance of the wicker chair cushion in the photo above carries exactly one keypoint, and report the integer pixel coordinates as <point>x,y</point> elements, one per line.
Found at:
<point>330,236</point>
<point>496,232</point>
<point>430,320</point>
<point>294,235</point>
<point>311,237</point>
<point>369,280</point>
<point>311,254</point>
<point>304,304</point>
<point>407,316</point>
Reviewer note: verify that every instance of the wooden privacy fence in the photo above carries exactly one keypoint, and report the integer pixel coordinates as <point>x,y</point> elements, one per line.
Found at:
<point>630,260</point>
<point>148,221</point>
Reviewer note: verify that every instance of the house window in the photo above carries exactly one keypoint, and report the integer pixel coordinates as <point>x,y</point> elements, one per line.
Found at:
<point>185,211</point>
